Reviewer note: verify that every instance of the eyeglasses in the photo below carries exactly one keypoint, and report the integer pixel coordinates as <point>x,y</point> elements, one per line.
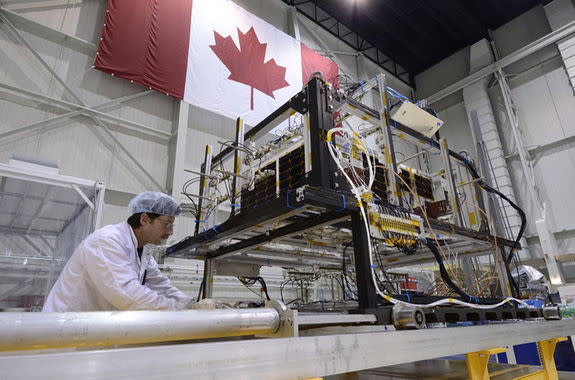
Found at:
<point>168,225</point>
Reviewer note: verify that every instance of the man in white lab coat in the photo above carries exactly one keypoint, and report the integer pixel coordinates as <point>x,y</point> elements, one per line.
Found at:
<point>112,269</point>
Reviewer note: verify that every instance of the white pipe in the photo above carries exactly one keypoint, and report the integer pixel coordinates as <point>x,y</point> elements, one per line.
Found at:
<point>25,331</point>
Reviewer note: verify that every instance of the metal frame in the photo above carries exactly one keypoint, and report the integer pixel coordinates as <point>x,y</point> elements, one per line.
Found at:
<point>317,204</point>
<point>53,180</point>
<point>57,180</point>
<point>75,109</point>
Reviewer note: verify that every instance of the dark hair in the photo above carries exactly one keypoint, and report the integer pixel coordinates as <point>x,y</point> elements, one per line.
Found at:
<point>134,220</point>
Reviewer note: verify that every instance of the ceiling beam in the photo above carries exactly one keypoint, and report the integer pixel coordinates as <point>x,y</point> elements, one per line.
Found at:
<point>19,207</point>
<point>21,231</point>
<point>519,54</point>
<point>341,33</point>
<point>31,243</point>
<point>128,125</point>
<point>48,33</point>
<point>30,197</point>
<point>45,241</point>
<point>41,206</point>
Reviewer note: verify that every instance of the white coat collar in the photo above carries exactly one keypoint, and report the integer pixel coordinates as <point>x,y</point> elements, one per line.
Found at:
<point>132,234</point>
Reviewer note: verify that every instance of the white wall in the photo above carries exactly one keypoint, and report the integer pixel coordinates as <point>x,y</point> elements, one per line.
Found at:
<point>546,107</point>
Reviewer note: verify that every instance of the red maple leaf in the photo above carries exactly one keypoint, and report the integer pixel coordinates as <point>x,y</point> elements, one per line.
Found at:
<point>247,64</point>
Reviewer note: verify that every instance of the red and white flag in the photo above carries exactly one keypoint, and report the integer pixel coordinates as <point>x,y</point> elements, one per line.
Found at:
<point>210,53</point>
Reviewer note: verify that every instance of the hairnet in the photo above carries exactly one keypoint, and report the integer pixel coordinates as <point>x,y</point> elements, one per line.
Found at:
<point>154,202</point>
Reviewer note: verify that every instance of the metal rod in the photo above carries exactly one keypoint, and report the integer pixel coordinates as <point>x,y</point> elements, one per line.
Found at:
<point>20,331</point>
<point>236,182</point>
<point>200,173</point>
<point>233,147</point>
<point>206,168</point>
<point>469,182</point>
<point>197,196</point>
<point>413,156</point>
<point>230,173</point>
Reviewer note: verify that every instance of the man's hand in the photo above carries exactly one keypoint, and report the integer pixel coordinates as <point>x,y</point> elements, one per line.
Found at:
<point>206,304</point>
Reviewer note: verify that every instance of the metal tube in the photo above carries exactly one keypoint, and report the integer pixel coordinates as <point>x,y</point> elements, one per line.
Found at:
<point>413,156</point>
<point>26,331</point>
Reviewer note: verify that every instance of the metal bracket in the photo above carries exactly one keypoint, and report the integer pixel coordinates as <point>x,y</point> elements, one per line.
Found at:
<point>288,327</point>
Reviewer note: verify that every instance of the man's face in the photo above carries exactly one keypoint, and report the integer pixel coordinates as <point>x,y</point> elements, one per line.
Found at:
<point>157,230</point>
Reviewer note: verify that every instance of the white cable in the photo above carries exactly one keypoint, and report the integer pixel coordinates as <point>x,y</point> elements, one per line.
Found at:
<point>332,150</point>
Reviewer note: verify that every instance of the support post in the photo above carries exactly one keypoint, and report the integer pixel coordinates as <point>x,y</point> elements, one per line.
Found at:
<point>321,120</point>
<point>294,24</point>
<point>477,363</point>
<point>177,151</point>
<point>546,351</point>
<point>501,268</point>
<point>208,278</point>
<point>366,294</point>
<point>236,181</point>
<point>389,151</point>
<point>546,237</point>
<point>206,169</point>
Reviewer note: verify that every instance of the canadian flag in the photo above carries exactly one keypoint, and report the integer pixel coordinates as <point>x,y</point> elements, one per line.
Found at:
<point>210,53</point>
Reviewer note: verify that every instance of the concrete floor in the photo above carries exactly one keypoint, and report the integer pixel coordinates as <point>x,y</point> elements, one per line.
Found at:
<point>440,369</point>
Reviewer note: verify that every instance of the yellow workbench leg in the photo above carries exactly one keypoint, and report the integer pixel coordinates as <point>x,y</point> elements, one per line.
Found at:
<point>546,351</point>
<point>477,363</point>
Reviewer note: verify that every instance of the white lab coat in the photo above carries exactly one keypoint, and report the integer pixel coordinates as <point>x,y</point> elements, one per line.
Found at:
<point>105,273</point>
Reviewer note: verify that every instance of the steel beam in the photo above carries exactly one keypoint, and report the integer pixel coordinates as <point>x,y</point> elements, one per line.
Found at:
<point>128,125</point>
<point>45,241</point>
<point>40,209</point>
<point>272,359</point>
<point>46,32</point>
<point>284,232</point>
<point>10,171</point>
<point>525,51</point>
<point>33,245</point>
<point>23,231</point>
<point>19,207</point>
<point>10,291</point>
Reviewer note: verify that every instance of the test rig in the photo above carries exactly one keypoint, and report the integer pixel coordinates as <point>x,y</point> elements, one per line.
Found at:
<point>333,182</point>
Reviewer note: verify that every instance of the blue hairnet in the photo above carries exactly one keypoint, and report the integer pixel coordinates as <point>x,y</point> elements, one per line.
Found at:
<point>154,202</point>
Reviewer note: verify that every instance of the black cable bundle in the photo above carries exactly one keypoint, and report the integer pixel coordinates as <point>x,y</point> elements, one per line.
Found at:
<point>249,281</point>
<point>509,257</point>
<point>445,275</point>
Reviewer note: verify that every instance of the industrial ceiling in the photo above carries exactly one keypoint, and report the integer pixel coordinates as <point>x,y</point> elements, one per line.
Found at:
<point>408,36</point>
